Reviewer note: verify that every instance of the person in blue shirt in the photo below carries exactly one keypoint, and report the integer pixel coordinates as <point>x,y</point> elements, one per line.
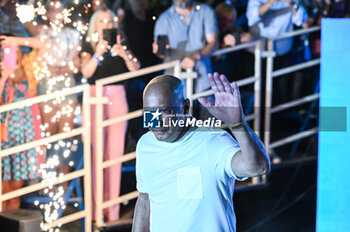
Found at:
<point>272,18</point>
<point>186,175</point>
<point>192,33</point>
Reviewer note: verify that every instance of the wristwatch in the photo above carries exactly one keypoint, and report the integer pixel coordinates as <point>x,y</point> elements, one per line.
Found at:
<point>239,125</point>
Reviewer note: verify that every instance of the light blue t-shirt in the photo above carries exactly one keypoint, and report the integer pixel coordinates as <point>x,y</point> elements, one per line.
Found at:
<point>190,182</point>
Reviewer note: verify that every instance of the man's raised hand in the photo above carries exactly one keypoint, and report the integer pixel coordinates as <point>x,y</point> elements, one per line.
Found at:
<point>227,106</point>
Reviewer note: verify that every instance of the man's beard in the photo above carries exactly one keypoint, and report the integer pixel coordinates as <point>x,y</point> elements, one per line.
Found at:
<point>185,4</point>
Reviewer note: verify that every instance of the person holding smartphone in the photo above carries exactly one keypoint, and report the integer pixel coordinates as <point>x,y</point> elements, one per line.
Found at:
<point>188,32</point>
<point>100,58</point>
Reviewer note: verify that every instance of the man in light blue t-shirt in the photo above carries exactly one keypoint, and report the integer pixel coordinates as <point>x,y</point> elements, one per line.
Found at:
<point>186,175</point>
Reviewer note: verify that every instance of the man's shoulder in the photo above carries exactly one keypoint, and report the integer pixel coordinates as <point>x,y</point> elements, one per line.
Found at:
<point>166,14</point>
<point>203,6</point>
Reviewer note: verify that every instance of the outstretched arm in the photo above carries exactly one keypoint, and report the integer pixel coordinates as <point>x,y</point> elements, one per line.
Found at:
<point>252,160</point>
<point>142,214</point>
<point>32,42</point>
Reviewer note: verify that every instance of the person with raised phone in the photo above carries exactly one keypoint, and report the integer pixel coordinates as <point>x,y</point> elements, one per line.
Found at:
<point>187,31</point>
<point>103,56</point>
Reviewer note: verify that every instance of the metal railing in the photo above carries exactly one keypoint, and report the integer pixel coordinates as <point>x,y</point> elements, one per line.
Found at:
<point>270,75</point>
<point>85,172</point>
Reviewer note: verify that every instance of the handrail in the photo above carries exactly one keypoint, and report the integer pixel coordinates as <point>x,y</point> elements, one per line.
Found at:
<point>44,141</point>
<point>42,98</point>
<point>137,73</point>
<point>128,116</point>
<point>294,103</point>
<point>296,67</point>
<point>296,32</point>
<point>294,137</point>
<point>38,186</point>
<point>236,48</point>
<point>240,83</point>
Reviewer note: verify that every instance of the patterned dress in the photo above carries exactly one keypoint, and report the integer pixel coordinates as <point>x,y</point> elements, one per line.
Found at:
<point>22,165</point>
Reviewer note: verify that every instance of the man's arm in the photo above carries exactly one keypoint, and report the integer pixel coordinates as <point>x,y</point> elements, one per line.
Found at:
<point>266,7</point>
<point>255,10</point>
<point>142,214</point>
<point>252,159</point>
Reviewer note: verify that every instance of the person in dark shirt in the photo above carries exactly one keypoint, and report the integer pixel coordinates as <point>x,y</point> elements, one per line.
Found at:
<point>99,60</point>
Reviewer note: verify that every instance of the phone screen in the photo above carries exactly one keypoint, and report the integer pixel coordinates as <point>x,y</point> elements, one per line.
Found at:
<point>162,41</point>
<point>10,57</point>
<point>110,35</point>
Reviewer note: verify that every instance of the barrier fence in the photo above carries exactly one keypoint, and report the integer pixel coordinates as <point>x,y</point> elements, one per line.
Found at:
<point>85,172</point>
<point>270,75</point>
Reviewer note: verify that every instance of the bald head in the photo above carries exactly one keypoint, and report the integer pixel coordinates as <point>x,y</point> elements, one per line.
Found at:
<point>165,94</point>
<point>164,90</point>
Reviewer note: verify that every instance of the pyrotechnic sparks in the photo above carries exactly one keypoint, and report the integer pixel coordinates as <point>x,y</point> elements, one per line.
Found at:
<point>54,67</point>
<point>25,13</point>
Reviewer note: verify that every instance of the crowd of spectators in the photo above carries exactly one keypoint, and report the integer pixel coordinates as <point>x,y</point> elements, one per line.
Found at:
<point>148,32</point>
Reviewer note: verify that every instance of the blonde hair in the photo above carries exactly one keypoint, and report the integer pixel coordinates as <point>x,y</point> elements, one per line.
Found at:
<point>92,24</point>
<point>223,8</point>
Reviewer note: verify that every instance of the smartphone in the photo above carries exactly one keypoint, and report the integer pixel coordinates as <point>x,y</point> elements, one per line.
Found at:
<point>10,57</point>
<point>110,35</point>
<point>162,41</point>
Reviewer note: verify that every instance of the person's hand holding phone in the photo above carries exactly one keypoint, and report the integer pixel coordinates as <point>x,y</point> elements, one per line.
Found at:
<point>118,50</point>
<point>101,47</point>
<point>160,46</point>
<point>155,47</point>
<point>8,41</point>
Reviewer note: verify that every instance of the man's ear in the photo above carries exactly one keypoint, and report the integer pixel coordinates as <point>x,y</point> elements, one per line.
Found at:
<point>187,105</point>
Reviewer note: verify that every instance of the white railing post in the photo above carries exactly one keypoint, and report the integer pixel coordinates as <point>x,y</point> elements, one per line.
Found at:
<point>257,96</point>
<point>189,89</point>
<point>257,87</point>
<point>177,69</point>
<point>99,157</point>
<point>87,157</point>
<point>268,94</point>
